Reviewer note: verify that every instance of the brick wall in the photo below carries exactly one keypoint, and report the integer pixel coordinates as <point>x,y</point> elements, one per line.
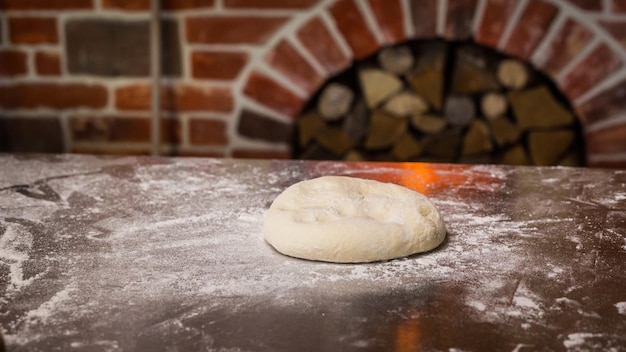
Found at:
<point>74,74</point>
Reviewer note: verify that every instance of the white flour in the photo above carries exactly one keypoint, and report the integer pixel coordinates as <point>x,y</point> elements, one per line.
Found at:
<point>167,240</point>
<point>621,307</point>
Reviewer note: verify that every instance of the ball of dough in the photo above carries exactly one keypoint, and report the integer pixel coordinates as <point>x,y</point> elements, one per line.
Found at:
<point>351,220</point>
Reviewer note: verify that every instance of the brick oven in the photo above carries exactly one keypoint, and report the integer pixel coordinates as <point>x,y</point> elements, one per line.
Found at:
<point>74,75</point>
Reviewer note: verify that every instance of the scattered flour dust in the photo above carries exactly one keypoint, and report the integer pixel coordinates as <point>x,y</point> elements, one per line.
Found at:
<point>251,268</point>
<point>479,306</point>
<point>171,252</point>
<point>44,313</point>
<point>45,310</point>
<point>584,341</point>
<point>621,307</point>
<point>14,245</point>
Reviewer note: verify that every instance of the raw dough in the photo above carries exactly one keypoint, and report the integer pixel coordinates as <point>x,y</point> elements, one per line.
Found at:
<point>351,220</point>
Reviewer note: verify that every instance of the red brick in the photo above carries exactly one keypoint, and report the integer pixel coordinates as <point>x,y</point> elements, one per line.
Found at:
<point>217,64</point>
<point>496,15</point>
<point>271,94</point>
<point>35,134</point>
<point>617,29</point>
<point>109,149</point>
<point>144,5</point>
<point>459,19</point>
<point>600,63</point>
<point>255,125</point>
<point>186,4</point>
<point>608,140</point>
<point>45,4</point>
<point>33,30</point>
<point>354,29</point>
<point>110,129</point>
<point>531,28</point>
<point>121,129</point>
<point>191,98</point>
<point>286,60</point>
<point>171,131</point>
<point>269,4</point>
<point>388,15</point>
<point>320,43</point>
<point>619,6</point>
<point>606,164</point>
<point>127,5</point>
<point>260,154</point>
<point>589,5</point>
<point>118,47</point>
<point>199,153</point>
<point>424,14</point>
<point>568,42</point>
<point>232,29</point>
<point>48,63</point>
<point>135,97</point>
<point>52,95</point>
<point>207,132</point>
<point>605,105</point>
<point>12,62</point>
<point>177,98</point>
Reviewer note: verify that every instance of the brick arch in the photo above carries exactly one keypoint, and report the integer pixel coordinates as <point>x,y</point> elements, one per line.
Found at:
<point>567,40</point>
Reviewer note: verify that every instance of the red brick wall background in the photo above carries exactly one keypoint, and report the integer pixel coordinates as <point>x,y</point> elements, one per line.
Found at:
<point>74,74</point>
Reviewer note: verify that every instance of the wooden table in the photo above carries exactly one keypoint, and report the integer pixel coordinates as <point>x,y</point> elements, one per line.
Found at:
<point>158,254</point>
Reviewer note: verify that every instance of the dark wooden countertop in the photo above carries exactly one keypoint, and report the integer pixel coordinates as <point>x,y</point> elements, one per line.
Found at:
<point>157,254</point>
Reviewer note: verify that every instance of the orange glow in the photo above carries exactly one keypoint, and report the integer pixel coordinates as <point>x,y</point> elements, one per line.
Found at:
<point>408,336</point>
<point>422,177</point>
<point>426,178</point>
<point>418,176</point>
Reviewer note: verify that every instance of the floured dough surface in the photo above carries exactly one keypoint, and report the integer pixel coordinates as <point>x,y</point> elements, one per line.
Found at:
<point>351,220</point>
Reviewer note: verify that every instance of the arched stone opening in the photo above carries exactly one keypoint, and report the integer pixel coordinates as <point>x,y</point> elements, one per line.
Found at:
<point>583,56</point>
<point>440,101</point>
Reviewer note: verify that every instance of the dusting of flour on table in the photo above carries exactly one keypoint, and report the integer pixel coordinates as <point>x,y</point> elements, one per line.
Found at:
<point>174,248</point>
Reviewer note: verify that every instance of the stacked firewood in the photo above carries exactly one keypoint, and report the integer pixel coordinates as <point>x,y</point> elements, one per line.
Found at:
<point>440,102</point>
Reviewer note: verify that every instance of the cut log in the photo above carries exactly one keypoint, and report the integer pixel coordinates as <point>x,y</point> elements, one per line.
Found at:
<point>571,159</point>
<point>405,104</point>
<point>427,79</point>
<point>512,74</point>
<point>309,126</point>
<point>428,84</point>
<point>473,71</point>
<point>354,155</point>
<point>378,85</point>
<point>398,60</point>
<point>384,130</point>
<point>407,147</point>
<point>515,156</point>
<point>504,131</point>
<point>477,139</point>
<point>444,146</point>
<point>334,101</point>
<point>537,108</point>
<point>547,147</point>
<point>334,140</point>
<point>429,124</point>
<point>459,110</point>
<point>468,79</point>
<point>315,152</point>
<point>493,105</point>
<point>356,122</point>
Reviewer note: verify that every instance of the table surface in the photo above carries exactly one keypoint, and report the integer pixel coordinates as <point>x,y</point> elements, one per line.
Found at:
<point>158,254</point>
